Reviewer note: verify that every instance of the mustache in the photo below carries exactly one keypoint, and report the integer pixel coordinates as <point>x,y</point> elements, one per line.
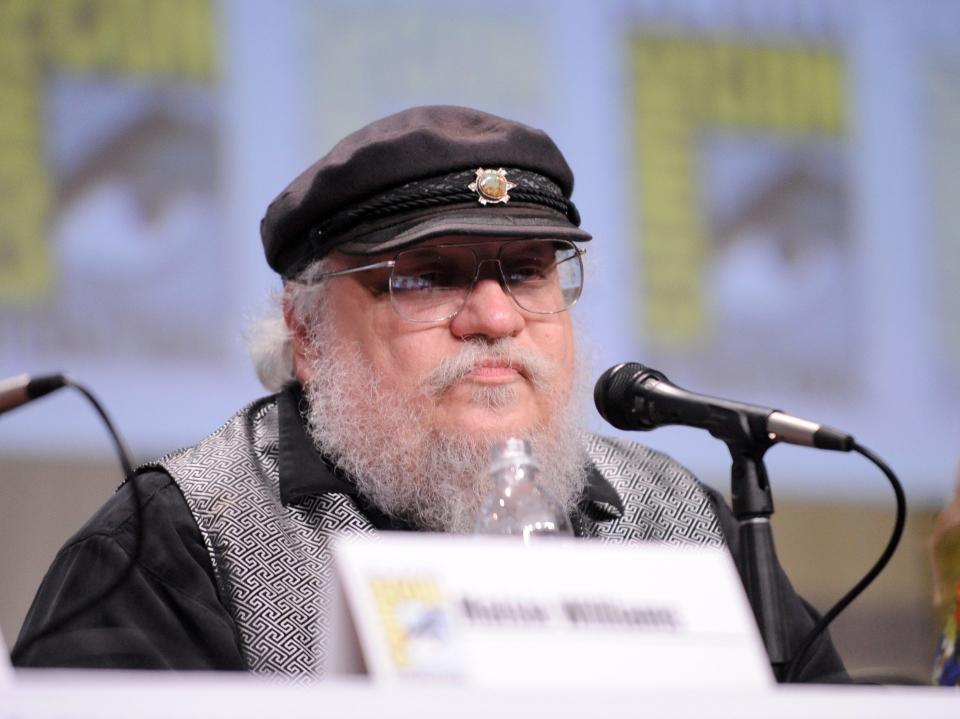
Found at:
<point>537,368</point>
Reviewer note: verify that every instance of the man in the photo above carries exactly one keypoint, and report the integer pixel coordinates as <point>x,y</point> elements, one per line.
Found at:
<point>429,262</point>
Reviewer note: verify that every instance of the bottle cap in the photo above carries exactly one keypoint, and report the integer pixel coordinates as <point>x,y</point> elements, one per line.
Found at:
<point>512,451</point>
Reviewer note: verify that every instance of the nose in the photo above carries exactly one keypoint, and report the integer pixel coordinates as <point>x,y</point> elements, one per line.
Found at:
<point>488,312</point>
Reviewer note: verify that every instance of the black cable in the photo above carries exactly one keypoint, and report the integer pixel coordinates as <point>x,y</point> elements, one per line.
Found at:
<point>818,629</point>
<point>123,454</point>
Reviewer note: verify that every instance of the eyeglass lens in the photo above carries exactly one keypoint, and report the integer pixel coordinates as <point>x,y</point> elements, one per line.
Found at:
<point>430,284</point>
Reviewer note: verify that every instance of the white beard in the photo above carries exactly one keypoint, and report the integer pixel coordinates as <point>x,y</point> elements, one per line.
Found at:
<point>412,471</point>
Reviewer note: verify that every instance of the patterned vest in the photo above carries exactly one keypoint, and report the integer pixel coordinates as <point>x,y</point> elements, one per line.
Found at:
<point>273,563</point>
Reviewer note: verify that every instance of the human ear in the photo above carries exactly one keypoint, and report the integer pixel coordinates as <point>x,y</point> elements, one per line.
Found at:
<point>299,339</point>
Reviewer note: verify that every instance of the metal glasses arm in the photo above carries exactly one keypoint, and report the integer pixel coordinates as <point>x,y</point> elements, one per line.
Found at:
<point>351,271</point>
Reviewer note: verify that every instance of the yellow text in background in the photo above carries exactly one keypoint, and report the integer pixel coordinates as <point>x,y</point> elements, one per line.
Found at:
<point>136,40</point>
<point>683,88</point>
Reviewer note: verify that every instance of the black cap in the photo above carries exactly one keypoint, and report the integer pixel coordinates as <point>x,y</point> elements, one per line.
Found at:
<point>421,173</point>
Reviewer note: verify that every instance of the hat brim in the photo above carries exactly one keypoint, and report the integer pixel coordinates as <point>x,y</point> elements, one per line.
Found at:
<point>506,221</point>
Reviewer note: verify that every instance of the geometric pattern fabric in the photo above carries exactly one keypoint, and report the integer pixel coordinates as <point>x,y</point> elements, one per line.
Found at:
<point>273,563</point>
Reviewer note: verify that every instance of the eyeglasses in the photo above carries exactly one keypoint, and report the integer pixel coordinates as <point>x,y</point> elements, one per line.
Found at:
<point>433,283</point>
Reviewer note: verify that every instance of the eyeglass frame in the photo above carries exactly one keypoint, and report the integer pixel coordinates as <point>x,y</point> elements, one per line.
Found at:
<point>391,264</point>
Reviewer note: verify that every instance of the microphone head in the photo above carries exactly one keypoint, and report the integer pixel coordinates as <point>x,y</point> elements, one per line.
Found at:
<point>614,395</point>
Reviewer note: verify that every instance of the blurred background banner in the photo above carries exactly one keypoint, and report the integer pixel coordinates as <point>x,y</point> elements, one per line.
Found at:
<point>743,211</point>
<point>110,236</point>
<point>112,244</point>
<point>772,187</point>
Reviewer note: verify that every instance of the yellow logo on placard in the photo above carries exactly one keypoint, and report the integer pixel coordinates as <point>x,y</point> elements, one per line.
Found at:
<point>413,614</point>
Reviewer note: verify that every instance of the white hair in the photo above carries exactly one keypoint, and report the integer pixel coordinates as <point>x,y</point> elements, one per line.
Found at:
<point>386,440</point>
<point>268,337</point>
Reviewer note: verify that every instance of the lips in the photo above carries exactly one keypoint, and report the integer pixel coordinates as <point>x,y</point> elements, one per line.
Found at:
<point>481,362</point>
<point>496,369</point>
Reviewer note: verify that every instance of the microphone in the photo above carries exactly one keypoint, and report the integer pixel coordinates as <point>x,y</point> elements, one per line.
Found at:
<point>631,396</point>
<point>19,390</point>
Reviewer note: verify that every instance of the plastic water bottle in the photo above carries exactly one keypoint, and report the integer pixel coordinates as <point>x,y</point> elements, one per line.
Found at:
<point>516,505</point>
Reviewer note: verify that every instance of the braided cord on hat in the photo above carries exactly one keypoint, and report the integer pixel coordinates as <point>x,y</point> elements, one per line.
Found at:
<point>448,189</point>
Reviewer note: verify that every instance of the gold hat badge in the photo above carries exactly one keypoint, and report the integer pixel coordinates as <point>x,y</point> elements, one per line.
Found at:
<point>492,186</point>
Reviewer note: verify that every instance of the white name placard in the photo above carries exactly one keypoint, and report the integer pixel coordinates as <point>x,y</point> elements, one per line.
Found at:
<point>493,611</point>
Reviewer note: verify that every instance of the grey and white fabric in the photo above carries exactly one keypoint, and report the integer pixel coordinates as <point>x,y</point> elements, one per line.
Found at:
<point>273,563</point>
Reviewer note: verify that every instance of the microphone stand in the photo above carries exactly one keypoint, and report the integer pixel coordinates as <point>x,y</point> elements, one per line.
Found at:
<point>752,506</point>
<point>746,438</point>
